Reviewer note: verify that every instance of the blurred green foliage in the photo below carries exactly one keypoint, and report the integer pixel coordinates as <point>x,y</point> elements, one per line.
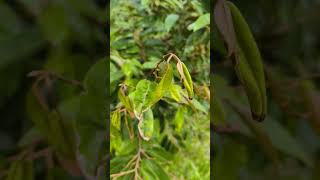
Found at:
<point>142,32</point>
<point>53,71</point>
<point>286,145</point>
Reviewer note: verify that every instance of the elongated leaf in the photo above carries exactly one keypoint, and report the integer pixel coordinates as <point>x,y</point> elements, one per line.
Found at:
<point>223,20</point>
<point>179,119</point>
<point>91,123</point>
<point>171,19</point>
<point>116,119</point>
<point>200,23</point>
<point>219,115</point>
<point>145,125</point>
<point>175,92</point>
<point>156,169</point>
<point>125,100</point>
<point>285,142</point>
<point>164,84</point>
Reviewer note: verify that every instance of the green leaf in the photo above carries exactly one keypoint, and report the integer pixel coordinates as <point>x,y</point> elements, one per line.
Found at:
<point>115,138</point>
<point>143,95</point>
<point>37,114</point>
<point>219,115</point>
<point>197,105</point>
<point>148,93</point>
<point>145,125</point>
<point>59,137</point>
<point>155,169</point>
<point>200,23</point>
<point>116,119</point>
<point>230,158</point>
<point>171,19</point>
<point>285,142</point>
<point>125,100</point>
<point>16,48</point>
<point>54,24</point>
<point>115,74</point>
<point>165,83</point>
<point>159,153</point>
<point>91,121</point>
<point>179,119</point>
<point>118,163</point>
<point>175,92</point>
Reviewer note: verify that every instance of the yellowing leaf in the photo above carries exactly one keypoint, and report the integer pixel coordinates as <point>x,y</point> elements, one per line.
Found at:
<point>125,100</point>
<point>116,119</point>
<point>175,92</point>
<point>186,78</point>
<point>179,119</point>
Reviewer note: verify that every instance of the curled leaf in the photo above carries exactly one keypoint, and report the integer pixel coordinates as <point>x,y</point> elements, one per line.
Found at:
<point>186,78</point>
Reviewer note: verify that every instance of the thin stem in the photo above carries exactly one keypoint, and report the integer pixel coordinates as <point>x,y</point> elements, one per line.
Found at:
<point>134,161</point>
<point>115,176</point>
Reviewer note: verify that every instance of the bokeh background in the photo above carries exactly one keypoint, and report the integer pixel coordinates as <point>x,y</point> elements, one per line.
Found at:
<point>286,145</point>
<point>53,88</point>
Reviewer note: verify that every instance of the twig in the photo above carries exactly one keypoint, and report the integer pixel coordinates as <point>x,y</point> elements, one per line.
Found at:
<point>134,161</point>
<point>115,176</point>
<point>46,73</point>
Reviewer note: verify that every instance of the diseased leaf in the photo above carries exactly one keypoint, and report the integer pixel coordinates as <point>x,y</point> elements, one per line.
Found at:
<point>145,125</point>
<point>143,96</point>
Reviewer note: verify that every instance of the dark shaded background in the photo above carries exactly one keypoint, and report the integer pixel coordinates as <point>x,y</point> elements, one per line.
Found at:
<point>286,145</point>
<point>63,39</point>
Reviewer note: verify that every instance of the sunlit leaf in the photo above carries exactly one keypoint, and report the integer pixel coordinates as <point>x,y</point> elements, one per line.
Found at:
<point>146,125</point>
